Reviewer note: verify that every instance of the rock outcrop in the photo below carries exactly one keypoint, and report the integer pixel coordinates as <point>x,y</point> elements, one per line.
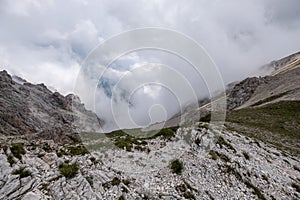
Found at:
<point>33,110</point>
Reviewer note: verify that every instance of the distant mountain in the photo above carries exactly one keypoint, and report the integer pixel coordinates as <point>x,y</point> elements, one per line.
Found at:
<point>34,111</point>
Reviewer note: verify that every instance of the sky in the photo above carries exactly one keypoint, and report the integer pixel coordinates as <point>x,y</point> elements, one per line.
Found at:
<point>47,41</point>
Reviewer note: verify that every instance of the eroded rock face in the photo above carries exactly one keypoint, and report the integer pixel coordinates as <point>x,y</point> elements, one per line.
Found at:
<point>243,91</point>
<point>27,109</point>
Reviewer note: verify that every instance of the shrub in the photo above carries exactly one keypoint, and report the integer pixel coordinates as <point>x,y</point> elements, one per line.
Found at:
<point>297,187</point>
<point>189,195</point>
<point>246,155</point>
<point>69,170</point>
<point>77,150</point>
<point>10,160</point>
<point>22,172</point>
<point>90,180</point>
<point>177,166</point>
<point>213,155</point>
<point>115,181</point>
<point>17,150</point>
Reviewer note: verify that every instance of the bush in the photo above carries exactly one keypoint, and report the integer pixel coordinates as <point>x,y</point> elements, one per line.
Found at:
<point>69,171</point>
<point>246,155</point>
<point>115,181</point>
<point>213,155</point>
<point>177,166</point>
<point>77,150</point>
<point>89,179</point>
<point>17,150</point>
<point>22,172</point>
<point>10,160</point>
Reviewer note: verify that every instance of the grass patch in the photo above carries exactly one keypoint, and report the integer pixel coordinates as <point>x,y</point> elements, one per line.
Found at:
<point>127,142</point>
<point>277,124</point>
<point>177,166</point>
<point>269,99</point>
<point>68,170</point>
<point>17,149</point>
<point>22,172</point>
<point>77,150</point>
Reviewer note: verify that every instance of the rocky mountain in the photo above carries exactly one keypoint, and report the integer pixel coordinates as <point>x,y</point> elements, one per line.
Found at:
<point>255,155</point>
<point>34,111</point>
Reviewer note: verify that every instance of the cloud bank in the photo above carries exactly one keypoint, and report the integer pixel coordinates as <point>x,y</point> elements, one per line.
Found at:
<point>46,41</point>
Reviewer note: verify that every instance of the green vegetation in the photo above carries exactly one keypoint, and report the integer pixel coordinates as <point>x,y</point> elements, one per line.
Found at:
<point>127,142</point>
<point>269,99</point>
<point>10,160</point>
<point>77,150</point>
<point>206,118</point>
<point>188,195</point>
<point>44,186</point>
<point>213,155</point>
<point>121,197</point>
<point>17,150</point>
<point>264,177</point>
<point>177,166</point>
<point>89,179</point>
<point>116,181</point>
<point>223,157</point>
<point>22,172</point>
<point>126,181</point>
<point>72,150</point>
<point>246,155</point>
<point>69,170</point>
<point>296,186</point>
<point>277,124</point>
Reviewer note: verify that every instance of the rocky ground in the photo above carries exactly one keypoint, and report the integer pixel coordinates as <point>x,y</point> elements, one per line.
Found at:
<point>215,165</point>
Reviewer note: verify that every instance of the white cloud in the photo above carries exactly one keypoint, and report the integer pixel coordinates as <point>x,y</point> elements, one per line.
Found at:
<point>46,41</point>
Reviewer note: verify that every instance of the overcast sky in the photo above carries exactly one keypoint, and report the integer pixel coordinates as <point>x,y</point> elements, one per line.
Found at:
<point>47,40</point>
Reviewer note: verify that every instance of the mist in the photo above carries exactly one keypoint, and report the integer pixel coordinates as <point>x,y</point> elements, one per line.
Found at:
<point>47,41</point>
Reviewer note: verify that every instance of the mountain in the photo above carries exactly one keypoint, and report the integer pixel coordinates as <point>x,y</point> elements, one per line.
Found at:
<point>30,110</point>
<point>255,155</point>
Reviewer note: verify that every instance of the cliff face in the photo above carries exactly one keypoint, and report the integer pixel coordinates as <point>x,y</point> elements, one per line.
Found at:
<point>33,110</point>
<point>243,91</point>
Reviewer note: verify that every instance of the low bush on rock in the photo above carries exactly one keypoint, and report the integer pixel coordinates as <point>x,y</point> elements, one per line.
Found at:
<point>17,150</point>
<point>69,170</point>
<point>22,172</point>
<point>177,166</point>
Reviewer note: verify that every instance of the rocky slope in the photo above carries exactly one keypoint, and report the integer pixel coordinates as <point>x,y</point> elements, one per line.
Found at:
<point>34,111</point>
<point>255,155</point>
<point>234,167</point>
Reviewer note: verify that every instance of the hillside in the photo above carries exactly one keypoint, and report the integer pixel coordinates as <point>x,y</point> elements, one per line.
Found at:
<point>254,156</point>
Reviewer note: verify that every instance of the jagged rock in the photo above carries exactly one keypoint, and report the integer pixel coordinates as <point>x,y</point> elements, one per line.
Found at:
<point>243,91</point>
<point>28,109</point>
